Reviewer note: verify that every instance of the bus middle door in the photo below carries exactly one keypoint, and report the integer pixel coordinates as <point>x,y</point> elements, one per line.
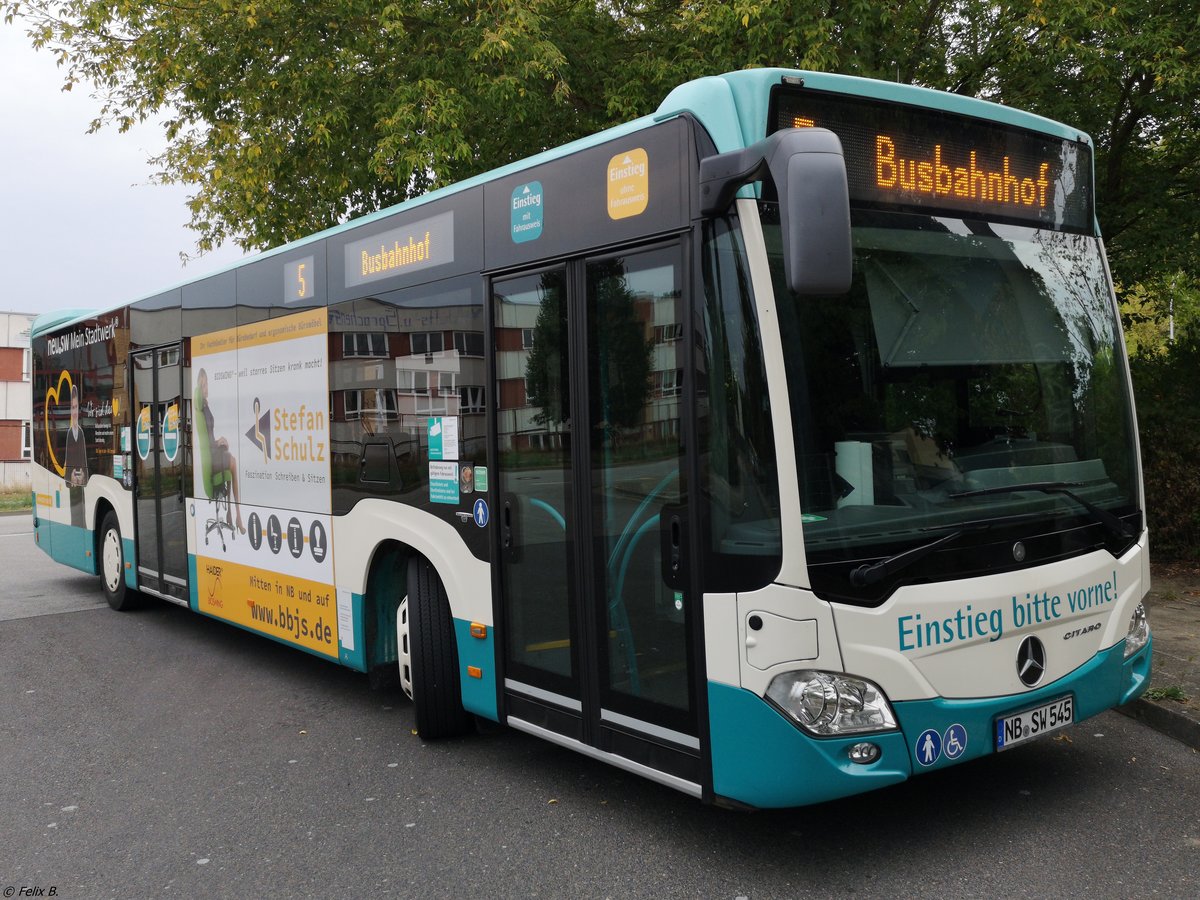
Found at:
<point>158,472</point>
<point>593,518</point>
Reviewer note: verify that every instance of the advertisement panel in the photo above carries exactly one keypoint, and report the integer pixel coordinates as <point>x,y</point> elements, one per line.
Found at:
<point>261,477</point>
<point>79,379</point>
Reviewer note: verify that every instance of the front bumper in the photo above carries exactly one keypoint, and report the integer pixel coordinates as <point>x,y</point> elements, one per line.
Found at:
<point>761,759</point>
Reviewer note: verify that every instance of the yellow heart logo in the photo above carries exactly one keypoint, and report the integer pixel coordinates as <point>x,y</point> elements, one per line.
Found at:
<point>53,393</point>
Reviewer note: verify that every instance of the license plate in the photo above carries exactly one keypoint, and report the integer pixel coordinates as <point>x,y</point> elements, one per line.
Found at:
<point>1031,723</point>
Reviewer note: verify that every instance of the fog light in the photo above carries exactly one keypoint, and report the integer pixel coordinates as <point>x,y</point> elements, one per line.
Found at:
<point>830,704</point>
<point>864,753</point>
<point>1139,631</point>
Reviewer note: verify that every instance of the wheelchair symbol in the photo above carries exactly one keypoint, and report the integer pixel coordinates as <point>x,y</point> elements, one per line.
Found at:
<point>954,741</point>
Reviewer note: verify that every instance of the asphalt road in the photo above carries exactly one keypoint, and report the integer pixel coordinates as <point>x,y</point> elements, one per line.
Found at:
<point>160,754</point>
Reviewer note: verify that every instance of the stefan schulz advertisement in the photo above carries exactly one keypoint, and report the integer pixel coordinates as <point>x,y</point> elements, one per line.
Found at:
<point>260,442</point>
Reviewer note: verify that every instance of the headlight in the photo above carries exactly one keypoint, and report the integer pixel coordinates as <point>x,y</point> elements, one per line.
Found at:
<point>829,704</point>
<point>1139,631</point>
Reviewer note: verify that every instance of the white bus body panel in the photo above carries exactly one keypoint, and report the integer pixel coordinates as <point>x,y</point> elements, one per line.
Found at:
<point>47,486</point>
<point>796,630</point>
<point>795,566</point>
<point>358,534</point>
<point>959,639</point>
<point>103,487</point>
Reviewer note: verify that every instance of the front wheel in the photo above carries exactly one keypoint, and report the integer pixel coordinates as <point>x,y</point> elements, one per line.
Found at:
<point>429,655</point>
<point>112,565</point>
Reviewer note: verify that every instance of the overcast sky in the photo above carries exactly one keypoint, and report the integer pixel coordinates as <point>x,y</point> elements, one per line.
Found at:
<point>80,224</point>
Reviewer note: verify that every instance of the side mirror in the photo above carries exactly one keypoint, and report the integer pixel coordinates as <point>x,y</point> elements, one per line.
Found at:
<point>809,172</point>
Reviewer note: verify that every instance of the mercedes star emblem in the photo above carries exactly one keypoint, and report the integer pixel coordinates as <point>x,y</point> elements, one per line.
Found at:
<point>1031,661</point>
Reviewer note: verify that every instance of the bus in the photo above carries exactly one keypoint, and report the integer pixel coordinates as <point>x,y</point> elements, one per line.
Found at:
<point>777,446</point>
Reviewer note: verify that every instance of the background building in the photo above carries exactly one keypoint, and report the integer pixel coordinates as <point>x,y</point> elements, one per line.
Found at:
<point>16,438</point>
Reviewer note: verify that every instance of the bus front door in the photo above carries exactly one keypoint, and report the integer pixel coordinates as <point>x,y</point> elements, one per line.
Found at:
<point>597,616</point>
<point>160,439</point>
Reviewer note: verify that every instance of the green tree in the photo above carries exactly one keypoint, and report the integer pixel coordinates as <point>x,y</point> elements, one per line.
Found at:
<point>1129,75</point>
<point>288,116</point>
<point>547,368</point>
<point>1168,406</point>
<point>619,349</point>
<point>619,352</point>
<point>1153,308</point>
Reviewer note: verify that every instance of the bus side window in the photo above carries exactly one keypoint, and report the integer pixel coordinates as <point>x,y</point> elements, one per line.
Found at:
<point>740,481</point>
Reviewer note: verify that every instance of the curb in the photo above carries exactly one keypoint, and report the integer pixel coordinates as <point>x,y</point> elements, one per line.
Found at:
<point>1167,721</point>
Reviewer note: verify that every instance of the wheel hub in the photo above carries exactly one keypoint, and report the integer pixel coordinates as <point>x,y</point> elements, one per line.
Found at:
<point>404,655</point>
<point>111,560</point>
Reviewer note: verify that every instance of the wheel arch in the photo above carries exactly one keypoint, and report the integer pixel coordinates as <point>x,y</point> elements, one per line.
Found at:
<point>377,568</point>
<point>386,586</point>
<point>103,494</point>
<point>102,508</point>
<point>120,586</point>
<point>106,495</point>
<point>374,524</point>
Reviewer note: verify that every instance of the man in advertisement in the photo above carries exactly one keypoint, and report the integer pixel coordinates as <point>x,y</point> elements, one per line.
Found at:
<point>75,453</point>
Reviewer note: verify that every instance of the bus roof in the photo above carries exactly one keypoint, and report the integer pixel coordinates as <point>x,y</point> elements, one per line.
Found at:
<point>725,102</point>
<point>733,109</point>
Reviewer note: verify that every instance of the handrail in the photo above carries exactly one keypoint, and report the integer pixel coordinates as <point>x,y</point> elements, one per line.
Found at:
<point>547,508</point>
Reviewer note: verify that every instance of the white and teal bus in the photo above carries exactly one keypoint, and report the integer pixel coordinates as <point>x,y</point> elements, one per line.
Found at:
<point>776,447</point>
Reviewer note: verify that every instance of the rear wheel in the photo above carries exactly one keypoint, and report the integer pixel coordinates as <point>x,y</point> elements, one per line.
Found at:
<point>428,655</point>
<point>112,565</point>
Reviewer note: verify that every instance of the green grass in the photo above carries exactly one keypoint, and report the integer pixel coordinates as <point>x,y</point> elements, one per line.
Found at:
<point>1174,692</point>
<point>15,500</point>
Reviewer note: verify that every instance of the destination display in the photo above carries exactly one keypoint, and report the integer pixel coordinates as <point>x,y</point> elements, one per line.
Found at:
<point>409,248</point>
<point>931,160</point>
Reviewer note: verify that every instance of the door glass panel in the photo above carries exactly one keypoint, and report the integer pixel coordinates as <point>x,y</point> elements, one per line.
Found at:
<point>160,453</point>
<point>146,461</point>
<point>635,378</point>
<point>171,455</point>
<point>533,434</point>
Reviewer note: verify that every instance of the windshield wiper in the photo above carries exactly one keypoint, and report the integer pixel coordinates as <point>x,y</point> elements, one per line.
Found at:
<point>865,574</point>
<point>1114,525</point>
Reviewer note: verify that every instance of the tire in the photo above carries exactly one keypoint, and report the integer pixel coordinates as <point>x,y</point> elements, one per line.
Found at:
<point>111,551</point>
<point>432,656</point>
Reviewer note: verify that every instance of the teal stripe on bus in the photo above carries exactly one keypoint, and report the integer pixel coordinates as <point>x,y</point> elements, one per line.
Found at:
<point>760,758</point>
<point>71,545</point>
<point>193,597</point>
<point>478,694</point>
<point>128,551</point>
<point>1099,684</point>
<point>357,658</point>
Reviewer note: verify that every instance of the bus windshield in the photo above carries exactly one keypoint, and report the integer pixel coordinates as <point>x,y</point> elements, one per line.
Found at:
<point>966,397</point>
